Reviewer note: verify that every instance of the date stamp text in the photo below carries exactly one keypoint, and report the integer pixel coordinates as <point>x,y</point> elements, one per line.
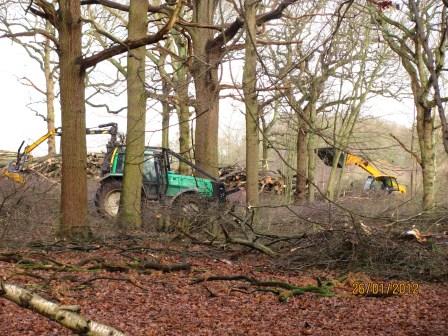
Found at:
<point>385,288</point>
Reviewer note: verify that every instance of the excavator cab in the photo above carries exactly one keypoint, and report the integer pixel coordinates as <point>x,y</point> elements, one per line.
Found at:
<point>384,183</point>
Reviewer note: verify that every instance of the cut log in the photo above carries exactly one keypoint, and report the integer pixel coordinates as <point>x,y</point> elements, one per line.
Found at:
<point>51,167</point>
<point>60,314</point>
<point>268,181</point>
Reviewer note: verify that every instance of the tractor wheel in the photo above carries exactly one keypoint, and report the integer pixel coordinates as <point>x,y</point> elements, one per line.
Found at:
<point>188,205</point>
<point>107,198</point>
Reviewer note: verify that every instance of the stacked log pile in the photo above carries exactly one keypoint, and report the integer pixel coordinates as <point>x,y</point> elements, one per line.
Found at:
<point>268,181</point>
<point>6,157</point>
<point>51,167</point>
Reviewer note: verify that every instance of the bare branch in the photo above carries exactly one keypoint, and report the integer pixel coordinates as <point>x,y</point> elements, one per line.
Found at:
<point>402,145</point>
<point>32,32</point>
<point>122,7</point>
<point>233,29</point>
<point>127,45</point>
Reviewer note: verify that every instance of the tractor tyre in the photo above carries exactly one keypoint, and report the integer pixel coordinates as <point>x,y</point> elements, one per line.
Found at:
<point>188,205</point>
<point>107,198</point>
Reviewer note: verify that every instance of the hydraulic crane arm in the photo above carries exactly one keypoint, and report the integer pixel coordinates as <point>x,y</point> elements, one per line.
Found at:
<point>28,149</point>
<point>15,167</point>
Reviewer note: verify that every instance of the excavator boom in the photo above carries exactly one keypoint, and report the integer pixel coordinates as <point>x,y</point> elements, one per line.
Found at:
<point>388,182</point>
<point>363,164</point>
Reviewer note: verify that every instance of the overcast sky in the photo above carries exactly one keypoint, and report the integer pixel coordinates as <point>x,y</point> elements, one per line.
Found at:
<point>18,122</point>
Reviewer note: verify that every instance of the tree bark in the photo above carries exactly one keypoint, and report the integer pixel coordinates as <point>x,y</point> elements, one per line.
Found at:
<point>165,116</point>
<point>207,117</point>
<point>335,176</point>
<point>130,203</point>
<point>182,81</point>
<point>302,161</point>
<point>264,155</point>
<point>311,145</point>
<point>49,92</point>
<point>425,131</point>
<point>74,177</point>
<point>60,314</point>
<point>205,74</point>
<point>251,105</point>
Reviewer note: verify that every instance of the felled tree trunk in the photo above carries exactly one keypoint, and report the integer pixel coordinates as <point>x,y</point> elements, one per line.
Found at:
<point>65,316</point>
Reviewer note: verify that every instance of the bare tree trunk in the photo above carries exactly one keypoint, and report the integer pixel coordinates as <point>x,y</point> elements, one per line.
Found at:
<point>183,107</point>
<point>184,134</point>
<point>264,155</point>
<point>250,100</point>
<point>165,116</point>
<point>74,152</point>
<point>264,137</point>
<point>335,177</point>
<point>425,131</point>
<point>204,70</point>
<point>49,92</point>
<point>130,205</point>
<point>310,148</point>
<point>207,116</point>
<point>302,162</point>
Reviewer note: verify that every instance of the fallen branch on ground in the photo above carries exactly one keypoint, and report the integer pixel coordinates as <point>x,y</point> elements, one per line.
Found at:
<point>64,315</point>
<point>252,244</point>
<point>90,264</point>
<point>284,290</point>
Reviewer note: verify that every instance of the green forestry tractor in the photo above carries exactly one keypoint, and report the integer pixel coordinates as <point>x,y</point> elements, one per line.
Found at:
<point>160,180</point>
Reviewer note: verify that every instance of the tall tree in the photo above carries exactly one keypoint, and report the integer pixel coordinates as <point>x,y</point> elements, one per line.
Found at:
<point>72,86</point>
<point>49,90</point>
<point>209,49</point>
<point>419,39</point>
<point>250,101</point>
<point>130,207</point>
<point>67,20</point>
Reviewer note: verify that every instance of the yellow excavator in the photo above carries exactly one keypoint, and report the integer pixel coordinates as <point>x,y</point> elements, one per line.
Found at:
<point>376,177</point>
<point>15,168</point>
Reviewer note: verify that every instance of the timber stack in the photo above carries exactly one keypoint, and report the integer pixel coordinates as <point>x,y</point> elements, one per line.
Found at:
<point>268,181</point>
<point>6,157</point>
<point>52,167</point>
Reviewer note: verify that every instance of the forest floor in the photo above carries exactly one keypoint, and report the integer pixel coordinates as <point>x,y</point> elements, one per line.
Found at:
<point>141,301</point>
<point>148,283</point>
